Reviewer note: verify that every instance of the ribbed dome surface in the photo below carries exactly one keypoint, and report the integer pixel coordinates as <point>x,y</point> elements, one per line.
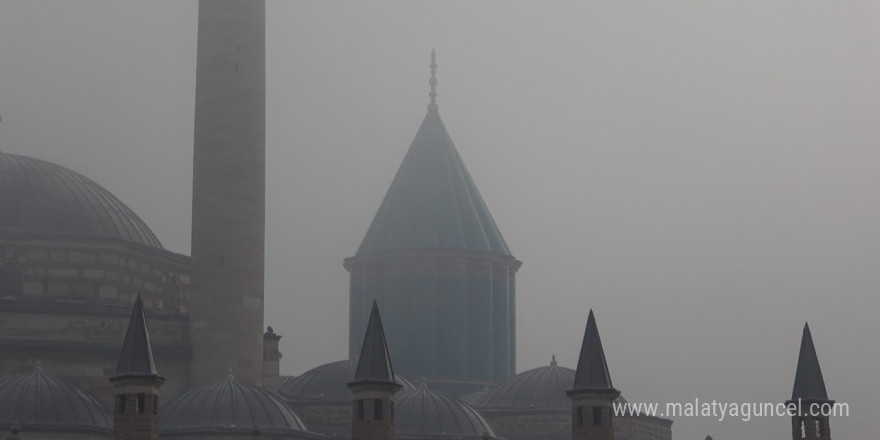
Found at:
<point>426,413</point>
<point>41,402</point>
<point>433,202</point>
<point>542,387</point>
<point>39,197</point>
<point>228,406</point>
<point>327,382</point>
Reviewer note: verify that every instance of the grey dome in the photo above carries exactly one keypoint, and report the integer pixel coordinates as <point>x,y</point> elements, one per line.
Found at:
<point>228,406</point>
<point>39,197</point>
<point>327,382</point>
<point>538,388</point>
<point>542,387</point>
<point>37,401</point>
<point>423,413</point>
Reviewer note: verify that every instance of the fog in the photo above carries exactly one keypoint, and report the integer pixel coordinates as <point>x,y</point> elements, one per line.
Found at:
<point>703,175</point>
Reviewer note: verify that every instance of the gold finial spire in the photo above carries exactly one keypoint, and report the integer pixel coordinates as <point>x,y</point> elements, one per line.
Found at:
<point>433,80</point>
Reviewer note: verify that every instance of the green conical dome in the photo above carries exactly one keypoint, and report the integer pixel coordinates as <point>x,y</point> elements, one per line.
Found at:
<point>432,201</point>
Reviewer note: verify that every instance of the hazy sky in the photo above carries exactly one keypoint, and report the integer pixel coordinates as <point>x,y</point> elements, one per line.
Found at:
<point>704,175</point>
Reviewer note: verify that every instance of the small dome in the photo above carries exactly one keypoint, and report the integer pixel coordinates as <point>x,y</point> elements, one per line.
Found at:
<point>423,413</point>
<point>39,197</point>
<point>37,401</point>
<point>327,382</point>
<point>542,387</point>
<point>228,406</point>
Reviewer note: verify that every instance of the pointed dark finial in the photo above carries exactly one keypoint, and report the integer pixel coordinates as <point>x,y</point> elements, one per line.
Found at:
<point>808,381</point>
<point>553,361</point>
<point>136,358</point>
<point>229,374</point>
<point>433,81</point>
<point>374,364</point>
<point>592,370</point>
<point>39,367</point>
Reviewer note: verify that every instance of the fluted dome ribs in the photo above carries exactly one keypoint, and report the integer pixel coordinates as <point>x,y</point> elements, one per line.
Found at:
<point>39,197</point>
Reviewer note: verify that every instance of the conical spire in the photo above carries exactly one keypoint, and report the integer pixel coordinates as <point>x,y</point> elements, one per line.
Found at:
<point>808,381</point>
<point>433,202</point>
<point>374,364</point>
<point>136,358</point>
<point>592,369</point>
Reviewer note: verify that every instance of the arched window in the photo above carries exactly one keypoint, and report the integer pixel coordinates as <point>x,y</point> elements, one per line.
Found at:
<point>170,294</point>
<point>10,280</point>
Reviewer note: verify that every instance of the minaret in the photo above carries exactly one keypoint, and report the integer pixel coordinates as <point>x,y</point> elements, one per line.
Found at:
<point>437,262</point>
<point>374,386</point>
<point>593,395</point>
<point>228,216</point>
<point>136,383</point>
<point>809,395</point>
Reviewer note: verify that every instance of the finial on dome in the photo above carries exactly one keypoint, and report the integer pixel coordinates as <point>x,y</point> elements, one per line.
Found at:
<point>553,361</point>
<point>229,375</point>
<point>39,367</point>
<point>433,81</point>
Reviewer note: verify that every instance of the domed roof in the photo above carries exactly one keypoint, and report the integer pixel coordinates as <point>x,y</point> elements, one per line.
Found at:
<point>433,202</point>
<point>426,413</point>
<point>38,401</point>
<point>228,406</point>
<point>327,382</point>
<point>542,387</point>
<point>538,388</point>
<point>39,197</point>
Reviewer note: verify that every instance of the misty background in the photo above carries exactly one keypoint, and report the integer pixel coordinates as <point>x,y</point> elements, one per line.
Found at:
<point>704,175</point>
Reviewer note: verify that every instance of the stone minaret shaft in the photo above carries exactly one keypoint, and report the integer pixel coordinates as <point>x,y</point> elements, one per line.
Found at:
<point>228,229</point>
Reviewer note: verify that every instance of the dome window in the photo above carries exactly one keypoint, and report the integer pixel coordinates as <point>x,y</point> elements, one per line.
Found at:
<point>10,280</point>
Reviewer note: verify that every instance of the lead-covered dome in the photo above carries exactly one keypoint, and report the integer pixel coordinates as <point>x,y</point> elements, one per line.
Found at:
<point>538,388</point>
<point>39,197</point>
<point>327,382</point>
<point>542,387</point>
<point>40,402</point>
<point>228,406</point>
<point>423,413</point>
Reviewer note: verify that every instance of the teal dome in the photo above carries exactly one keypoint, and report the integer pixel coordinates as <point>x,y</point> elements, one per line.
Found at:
<point>433,203</point>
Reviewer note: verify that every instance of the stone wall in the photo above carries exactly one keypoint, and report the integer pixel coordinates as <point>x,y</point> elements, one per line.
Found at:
<point>75,302</point>
<point>643,428</point>
<point>548,423</point>
<point>556,424</point>
<point>101,271</point>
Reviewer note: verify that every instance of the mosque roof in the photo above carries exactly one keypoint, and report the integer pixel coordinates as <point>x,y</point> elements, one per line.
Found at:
<point>433,202</point>
<point>424,413</point>
<point>542,387</point>
<point>41,402</point>
<point>228,406</point>
<point>42,198</point>
<point>327,382</point>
